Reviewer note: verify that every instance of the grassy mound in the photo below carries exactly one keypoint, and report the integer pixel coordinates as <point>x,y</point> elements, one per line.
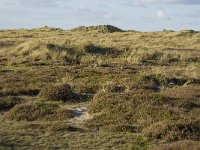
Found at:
<point>9,102</point>
<point>128,108</point>
<point>37,111</point>
<point>99,28</point>
<point>60,92</point>
<point>173,131</point>
<point>37,51</point>
<point>142,108</point>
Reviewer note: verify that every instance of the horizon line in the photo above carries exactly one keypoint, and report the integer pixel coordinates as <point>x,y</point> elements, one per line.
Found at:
<point>71,28</point>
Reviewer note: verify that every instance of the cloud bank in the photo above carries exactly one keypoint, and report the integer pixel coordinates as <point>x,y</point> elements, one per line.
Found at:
<point>170,1</point>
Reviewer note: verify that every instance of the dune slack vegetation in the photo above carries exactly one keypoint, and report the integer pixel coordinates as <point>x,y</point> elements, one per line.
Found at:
<point>99,87</point>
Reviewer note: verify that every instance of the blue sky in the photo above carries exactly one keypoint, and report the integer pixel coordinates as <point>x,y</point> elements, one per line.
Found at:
<point>141,15</point>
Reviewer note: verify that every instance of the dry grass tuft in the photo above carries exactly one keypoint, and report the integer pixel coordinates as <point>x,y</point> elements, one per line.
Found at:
<point>39,51</point>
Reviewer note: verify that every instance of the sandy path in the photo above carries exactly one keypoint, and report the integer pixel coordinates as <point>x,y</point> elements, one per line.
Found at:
<point>80,114</point>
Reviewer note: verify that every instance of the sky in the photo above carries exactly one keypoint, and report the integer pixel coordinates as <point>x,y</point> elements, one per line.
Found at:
<point>140,15</point>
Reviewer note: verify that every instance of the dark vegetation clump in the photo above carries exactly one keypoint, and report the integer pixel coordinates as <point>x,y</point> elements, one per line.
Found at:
<point>9,102</point>
<point>38,111</point>
<point>164,82</point>
<point>118,89</point>
<point>60,92</point>
<point>99,28</point>
<point>53,47</point>
<point>64,127</point>
<point>187,33</point>
<point>95,49</point>
<point>91,48</point>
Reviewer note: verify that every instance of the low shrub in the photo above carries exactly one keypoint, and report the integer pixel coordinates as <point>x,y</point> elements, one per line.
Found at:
<point>59,92</point>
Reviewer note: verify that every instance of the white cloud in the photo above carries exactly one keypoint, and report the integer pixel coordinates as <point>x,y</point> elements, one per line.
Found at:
<point>161,15</point>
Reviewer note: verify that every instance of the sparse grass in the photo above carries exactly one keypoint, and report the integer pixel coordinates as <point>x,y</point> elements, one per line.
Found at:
<point>170,131</point>
<point>180,145</point>
<point>73,140</point>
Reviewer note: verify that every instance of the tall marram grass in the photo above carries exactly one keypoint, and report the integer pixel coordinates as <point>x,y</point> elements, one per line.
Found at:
<point>167,56</point>
<point>37,50</point>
